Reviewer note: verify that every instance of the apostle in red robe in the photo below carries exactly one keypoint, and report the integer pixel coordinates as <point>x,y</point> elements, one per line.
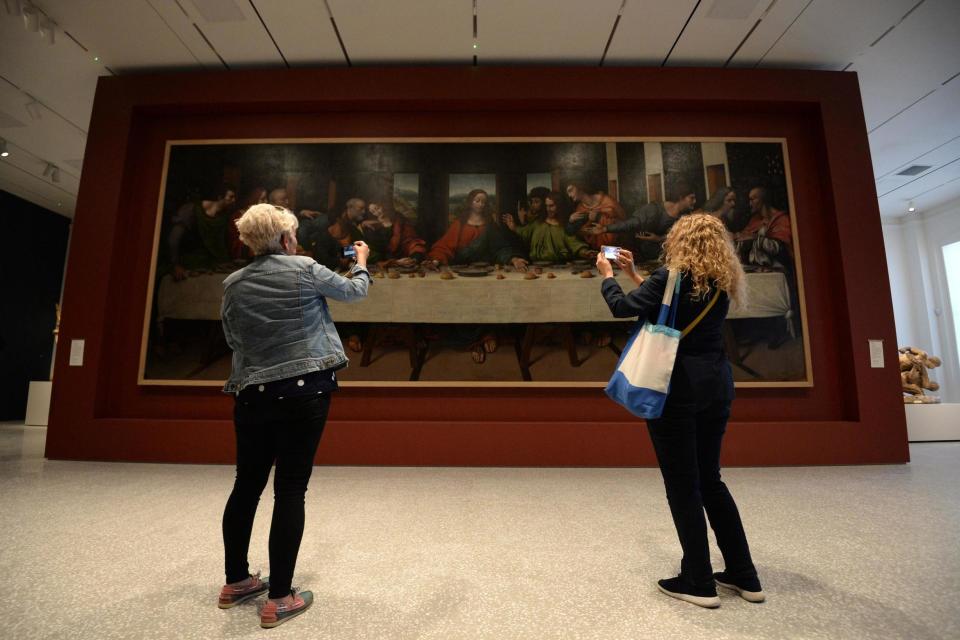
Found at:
<point>767,240</point>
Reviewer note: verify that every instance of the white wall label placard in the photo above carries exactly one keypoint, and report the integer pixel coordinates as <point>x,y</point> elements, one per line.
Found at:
<point>876,354</point>
<point>76,353</point>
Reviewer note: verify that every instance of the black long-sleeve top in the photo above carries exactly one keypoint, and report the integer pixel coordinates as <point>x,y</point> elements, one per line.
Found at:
<point>644,303</point>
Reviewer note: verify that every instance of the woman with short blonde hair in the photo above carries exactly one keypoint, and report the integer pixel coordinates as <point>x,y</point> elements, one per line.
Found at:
<point>688,434</point>
<point>262,226</point>
<point>286,353</point>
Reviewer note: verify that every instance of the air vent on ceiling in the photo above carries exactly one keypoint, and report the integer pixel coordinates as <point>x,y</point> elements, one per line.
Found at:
<point>219,10</point>
<point>732,9</point>
<point>913,170</point>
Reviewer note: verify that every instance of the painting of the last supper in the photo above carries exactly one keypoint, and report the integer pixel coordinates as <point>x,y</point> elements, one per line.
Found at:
<point>482,252</point>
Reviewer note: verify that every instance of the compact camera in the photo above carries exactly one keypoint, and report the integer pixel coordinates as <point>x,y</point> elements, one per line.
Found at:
<point>610,253</point>
<point>349,251</point>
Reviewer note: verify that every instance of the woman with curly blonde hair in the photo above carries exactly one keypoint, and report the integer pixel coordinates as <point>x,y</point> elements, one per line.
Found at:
<point>688,435</point>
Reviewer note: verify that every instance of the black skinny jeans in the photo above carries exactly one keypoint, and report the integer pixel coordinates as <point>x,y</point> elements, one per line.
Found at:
<point>286,432</point>
<point>687,440</point>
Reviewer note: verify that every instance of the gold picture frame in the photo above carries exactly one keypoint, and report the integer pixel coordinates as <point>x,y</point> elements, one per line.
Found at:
<point>167,202</point>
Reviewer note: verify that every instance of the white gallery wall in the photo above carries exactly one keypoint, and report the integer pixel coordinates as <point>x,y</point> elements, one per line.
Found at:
<point>918,283</point>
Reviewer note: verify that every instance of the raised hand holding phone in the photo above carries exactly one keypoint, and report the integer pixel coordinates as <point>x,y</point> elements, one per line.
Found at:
<point>611,253</point>
<point>603,265</point>
<point>625,260</point>
<point>358,251</point>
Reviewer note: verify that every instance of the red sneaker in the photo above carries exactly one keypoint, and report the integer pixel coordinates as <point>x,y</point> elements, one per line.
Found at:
<point>239,592</point>
<point>276,612</point>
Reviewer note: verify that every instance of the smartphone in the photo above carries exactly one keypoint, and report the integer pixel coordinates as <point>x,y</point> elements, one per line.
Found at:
<point>349,251</point>
<point>610,253</point>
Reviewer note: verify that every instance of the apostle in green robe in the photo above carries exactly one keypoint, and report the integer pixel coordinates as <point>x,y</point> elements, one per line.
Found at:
<point>546,238</point>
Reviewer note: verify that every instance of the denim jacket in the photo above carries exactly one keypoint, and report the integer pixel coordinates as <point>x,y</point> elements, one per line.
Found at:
<point>276,319</point>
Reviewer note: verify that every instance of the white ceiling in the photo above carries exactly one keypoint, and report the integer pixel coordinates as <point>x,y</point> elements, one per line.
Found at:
<point>906,52</point>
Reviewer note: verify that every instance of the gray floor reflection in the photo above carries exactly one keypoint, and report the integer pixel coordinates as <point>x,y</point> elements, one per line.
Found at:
<point>112,550</point>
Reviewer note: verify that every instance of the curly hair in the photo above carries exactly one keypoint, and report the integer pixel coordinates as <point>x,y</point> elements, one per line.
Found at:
<point>262,225</point>
<point>700,246</point>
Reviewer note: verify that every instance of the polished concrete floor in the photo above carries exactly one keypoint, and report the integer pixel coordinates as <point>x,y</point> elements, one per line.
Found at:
<point>97,550</point>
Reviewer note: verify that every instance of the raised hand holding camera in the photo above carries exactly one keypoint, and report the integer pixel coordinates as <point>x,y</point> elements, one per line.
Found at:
<point>625,260</point>
<point>358,251</point>
<point>603,264</point>
<point>611,253</point>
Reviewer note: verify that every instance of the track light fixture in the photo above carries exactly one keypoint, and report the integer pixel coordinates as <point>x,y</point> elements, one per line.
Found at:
<point>3,148</point>
<point>34,19</point>
<point>52,171</point>
<point>48,30</point>
<point>33,110</point>
<point>911,207</point>
<point>31,19</point>
<point>13,7</point>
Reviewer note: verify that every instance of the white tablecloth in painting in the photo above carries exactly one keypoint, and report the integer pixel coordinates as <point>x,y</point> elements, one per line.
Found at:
<point>768,296</point>
<point>472,300</point>
<point>566,298</point>
<point>194,298</point>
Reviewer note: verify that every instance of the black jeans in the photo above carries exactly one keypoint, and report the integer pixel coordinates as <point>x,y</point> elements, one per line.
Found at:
<point>286,432</point>
<point>687,440</point>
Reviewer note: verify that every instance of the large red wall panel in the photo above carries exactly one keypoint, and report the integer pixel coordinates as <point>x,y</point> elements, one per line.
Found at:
<point>852,414</point>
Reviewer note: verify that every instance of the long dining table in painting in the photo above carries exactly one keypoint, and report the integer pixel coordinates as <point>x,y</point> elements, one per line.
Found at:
<point>560,295</point>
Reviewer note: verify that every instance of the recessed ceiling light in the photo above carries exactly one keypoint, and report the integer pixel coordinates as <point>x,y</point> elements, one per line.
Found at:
<point>96,58</point>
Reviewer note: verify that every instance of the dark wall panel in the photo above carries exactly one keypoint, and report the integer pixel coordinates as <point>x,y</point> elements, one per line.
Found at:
<point>851,414</point>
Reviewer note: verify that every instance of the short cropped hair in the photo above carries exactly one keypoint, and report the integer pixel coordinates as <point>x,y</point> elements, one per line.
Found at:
<point>223,189</point>
<point>539,192</point>
<point>762,194</point>
<point>262,226</point>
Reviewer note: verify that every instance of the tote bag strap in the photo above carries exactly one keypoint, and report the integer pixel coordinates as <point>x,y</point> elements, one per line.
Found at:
<point>675,303</point>
<point>700,317</point>
<point>668,306</point>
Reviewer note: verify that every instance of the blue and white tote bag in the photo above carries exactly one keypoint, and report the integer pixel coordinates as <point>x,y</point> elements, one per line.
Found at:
<point>641,380</point>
